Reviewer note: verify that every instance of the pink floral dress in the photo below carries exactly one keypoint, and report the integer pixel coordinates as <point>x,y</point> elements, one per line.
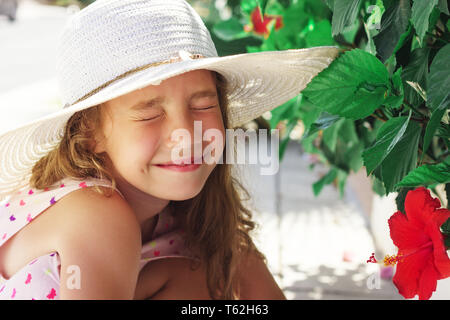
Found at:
<point>40,278</point>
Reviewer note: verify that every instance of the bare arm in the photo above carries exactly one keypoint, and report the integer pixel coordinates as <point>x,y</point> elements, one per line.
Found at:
<point>100,243</point>
<point>256,281</point>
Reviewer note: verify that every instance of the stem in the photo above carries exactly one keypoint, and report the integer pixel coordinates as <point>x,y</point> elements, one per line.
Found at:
<point>377,117</point>
<point>406,103</point>
<point>382,113</point>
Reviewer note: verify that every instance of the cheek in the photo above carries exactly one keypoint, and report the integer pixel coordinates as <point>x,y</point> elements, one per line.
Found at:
<point>138,143</point>
<point>213,129</point>
<point>213,121</point>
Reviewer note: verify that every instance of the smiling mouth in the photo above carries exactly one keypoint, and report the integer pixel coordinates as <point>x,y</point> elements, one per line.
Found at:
<point>182,163</point>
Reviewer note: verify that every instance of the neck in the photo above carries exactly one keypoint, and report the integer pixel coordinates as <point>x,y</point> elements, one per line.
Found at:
<point>145,207</point>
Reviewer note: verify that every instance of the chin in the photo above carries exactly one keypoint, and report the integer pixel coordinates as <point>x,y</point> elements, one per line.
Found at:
<point>180,196</point>
<point>178,192</point>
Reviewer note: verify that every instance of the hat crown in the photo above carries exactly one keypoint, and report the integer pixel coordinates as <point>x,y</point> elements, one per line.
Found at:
<point>111,37</point>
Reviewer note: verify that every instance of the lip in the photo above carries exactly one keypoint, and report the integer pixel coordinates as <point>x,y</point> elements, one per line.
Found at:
<point>190,166</point>
<point>180,168</point>
<point>183,162</point>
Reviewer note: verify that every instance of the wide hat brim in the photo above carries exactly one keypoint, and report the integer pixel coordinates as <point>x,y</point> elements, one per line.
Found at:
<point>257,82</point>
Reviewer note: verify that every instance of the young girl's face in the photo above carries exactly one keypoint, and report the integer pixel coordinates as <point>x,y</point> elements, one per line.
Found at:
<point>136,145</point>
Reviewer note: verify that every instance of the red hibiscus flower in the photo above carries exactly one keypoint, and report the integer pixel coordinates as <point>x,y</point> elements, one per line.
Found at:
<point>259,25</point>
<point>422,258</point>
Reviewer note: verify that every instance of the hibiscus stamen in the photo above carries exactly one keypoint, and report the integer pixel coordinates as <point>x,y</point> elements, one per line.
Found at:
<point>372,259</point>
<point>391,260</point>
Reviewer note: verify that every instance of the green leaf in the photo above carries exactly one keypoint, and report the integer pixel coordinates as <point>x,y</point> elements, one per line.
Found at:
<point>395,97</point>
<point>378,187</point>
<point>443,6</point>
<point>447,193</point>
<point>320,35</point>
<point>230,29</point>
<point>341,180</point>
<point>262,6</point>
<point>295,19</point>
<point>323,121</point>
<point>281,112</point>
<point>353,156</point>
<point>330,134</point>
<point>326,179</point>
<point>439,79</point>
<point>403,157</point>
<point>270,44</point>
<point>416,71</point>
<point>353,85</point>
<point>394,23</point>
<point>349,33</point>
<point>388,136</point>
<point>330,4</point>
<point>309,113</point>
<point>344,14</point>
<point>447,242</point>
<point>247,6</point>
<point>420,14</point>
<point>432,125</point>
<point>445,227</point>
<point>347,132</point>
<point>427,174</point>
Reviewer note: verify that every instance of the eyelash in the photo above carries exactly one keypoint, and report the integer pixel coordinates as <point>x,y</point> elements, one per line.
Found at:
<point>210,107</point>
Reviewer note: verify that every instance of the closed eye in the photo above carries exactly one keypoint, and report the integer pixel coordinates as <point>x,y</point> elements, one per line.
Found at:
<point>210,107</point>
<point>149,119</point>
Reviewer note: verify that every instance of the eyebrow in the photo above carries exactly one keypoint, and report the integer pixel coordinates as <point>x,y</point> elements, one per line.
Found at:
<point>152,102</point>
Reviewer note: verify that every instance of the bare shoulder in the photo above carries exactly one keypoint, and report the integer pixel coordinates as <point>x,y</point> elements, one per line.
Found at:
<point>101,236</point>
<point>85,206</point>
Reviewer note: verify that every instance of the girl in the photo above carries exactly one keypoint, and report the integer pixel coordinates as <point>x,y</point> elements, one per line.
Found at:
<point>96,201</point>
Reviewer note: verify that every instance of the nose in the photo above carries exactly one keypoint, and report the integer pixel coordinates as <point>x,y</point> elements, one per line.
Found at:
<point>181,132</point>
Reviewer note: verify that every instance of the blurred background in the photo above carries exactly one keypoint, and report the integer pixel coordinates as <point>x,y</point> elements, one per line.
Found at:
<point>316,230</point>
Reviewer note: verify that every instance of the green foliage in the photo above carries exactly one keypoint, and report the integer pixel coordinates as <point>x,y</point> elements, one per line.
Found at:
<point>428,174</point>
<point>383,104</point>
<point>352,86</point>
<point>420,15</point>
<point>393,32</point>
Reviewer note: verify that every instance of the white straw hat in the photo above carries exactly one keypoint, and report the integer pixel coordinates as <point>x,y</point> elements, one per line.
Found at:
<point>113,47</point>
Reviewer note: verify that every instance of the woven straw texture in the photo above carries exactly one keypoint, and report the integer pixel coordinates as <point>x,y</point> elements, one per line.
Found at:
<point>102,43</point>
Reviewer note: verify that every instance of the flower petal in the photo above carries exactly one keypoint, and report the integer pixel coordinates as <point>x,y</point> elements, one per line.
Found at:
<point>441,260</point>
<point>419,206</point>
<point>408,272</point>
<point>428,281</point>
<point>404,234</point>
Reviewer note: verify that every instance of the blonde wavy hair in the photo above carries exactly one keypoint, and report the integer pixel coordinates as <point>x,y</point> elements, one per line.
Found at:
<point>216,222</point>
